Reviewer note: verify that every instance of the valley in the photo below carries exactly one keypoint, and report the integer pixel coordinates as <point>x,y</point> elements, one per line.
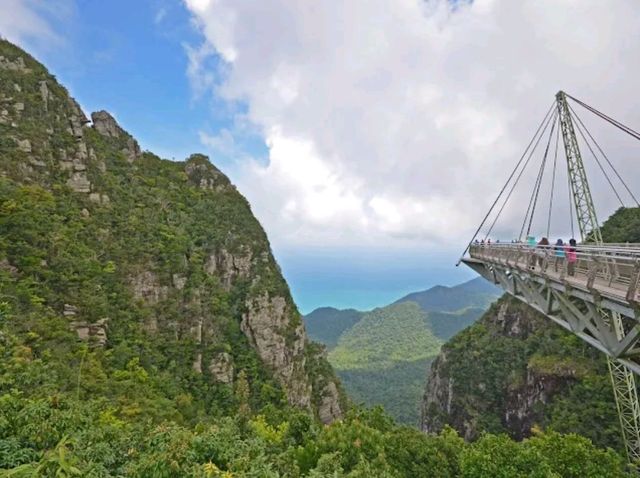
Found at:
<point>383,356</point>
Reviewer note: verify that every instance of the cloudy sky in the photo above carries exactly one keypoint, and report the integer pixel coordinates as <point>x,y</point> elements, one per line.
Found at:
<point>370,136</point>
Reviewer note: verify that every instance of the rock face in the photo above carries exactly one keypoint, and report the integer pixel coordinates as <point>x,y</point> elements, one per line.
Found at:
<point>509,372</point>
<point>93,333</point>
<point>229,266</point>
<point>526,402</point>
<point>16,64</point>
<point>280,342</point>
<point>329,408</point>
<point>169,251</point>
<point>107,126</point>
<point>221,368</point>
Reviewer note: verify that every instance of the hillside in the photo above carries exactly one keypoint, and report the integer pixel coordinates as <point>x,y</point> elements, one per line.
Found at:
<point>148,281</point>
<point>476,293</point>
<point>383,356</point>
<point>446,324</point>
<point>514,370</point>
<point>385,336</point>
<point>327,324</point>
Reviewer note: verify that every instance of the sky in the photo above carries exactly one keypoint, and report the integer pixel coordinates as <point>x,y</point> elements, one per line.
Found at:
<point>370,136</point>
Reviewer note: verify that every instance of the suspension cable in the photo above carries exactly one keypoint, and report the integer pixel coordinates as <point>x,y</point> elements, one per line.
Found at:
<point>536,188</point>
<point>553,182</point>
<point>584,138</point>
<point>515,183</point>
<point>508,181</point>
<point>614,122</point>
<point>573,232</point>
<point>605,156</point>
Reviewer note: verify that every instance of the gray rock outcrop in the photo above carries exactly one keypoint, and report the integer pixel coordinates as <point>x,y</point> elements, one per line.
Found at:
<point>329,409</point>
<point>79,182</point>
<point>221,368</point>
<point>95,333</point>
<point>15,65</point>
<point>487,375</point>
<point>268,326</point>
<point>106,125</point>
<point>230,267</point>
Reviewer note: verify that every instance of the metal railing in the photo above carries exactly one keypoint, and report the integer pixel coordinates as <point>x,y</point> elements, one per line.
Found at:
<point>611,268</point>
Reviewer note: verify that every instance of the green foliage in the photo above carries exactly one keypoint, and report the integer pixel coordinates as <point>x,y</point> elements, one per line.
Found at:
<point>382,359</point>
<point>446,324</point>
<point>476,293</point>
<point>622,226</point>
<point>385,336</point>
<point>382,356</point>
<point>365,444</point>
<point>326,324</point>
<point>398,388</point>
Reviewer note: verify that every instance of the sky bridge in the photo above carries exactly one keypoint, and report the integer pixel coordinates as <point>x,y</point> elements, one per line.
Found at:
<point>603,278</point>
<point>589,287</point>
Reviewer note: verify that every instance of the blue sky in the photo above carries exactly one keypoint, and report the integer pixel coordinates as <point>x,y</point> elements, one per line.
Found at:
<point>369,136</point>
<point>134,65</point>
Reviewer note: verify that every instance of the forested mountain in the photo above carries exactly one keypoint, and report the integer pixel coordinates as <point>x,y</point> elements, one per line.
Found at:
<point>326,324</point>
<point>146,331</point>
<point>515,371</point>
<point>476,293</point>
<point>143,288</point>
<point>383,356</point>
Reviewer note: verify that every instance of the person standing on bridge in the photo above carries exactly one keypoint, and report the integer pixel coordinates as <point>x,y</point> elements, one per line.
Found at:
<point>572,257</point>
<point>542,251</point>
<point>531,243</point>
<point>559,253</point>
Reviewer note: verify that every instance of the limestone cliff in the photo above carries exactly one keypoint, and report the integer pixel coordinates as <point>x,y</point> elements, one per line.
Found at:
<point>515,370</point>
<point>140,248</point>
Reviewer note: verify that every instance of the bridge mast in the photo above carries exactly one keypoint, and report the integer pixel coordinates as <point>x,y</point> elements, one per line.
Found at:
<point>622,379</point>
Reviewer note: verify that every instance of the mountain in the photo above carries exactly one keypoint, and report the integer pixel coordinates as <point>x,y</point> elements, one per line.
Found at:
<point>382,359</point>
<point>476,293</point>
<point>117,266</point>
<point>515,371</point>
<point>383,356</point>
<point>446,324</point>
<point>385,336</point>
<point>326,324</point>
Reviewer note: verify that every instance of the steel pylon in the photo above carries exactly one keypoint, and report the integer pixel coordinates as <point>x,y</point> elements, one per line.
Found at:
<point>622,379</point>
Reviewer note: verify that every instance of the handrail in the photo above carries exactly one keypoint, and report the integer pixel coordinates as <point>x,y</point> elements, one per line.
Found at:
<point>606,267</point>
<point>632,251</point>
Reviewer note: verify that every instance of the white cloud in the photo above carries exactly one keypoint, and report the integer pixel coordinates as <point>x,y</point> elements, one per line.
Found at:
<point>27,21</point>
<point>160,15</point>
<point>398,121</point>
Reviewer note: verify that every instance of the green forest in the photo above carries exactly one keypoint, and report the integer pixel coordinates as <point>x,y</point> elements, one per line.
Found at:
<point>566,380</point>
<point>383,356</point>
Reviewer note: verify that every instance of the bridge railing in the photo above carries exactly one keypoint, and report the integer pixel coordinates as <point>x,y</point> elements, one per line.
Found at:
<point>613,268</point>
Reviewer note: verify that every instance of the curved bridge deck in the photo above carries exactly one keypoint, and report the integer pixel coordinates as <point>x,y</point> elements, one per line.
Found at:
<point>603,279</point>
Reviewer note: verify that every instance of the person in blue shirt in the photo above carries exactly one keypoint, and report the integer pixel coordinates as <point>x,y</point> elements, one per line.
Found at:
<point>559,253</point>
